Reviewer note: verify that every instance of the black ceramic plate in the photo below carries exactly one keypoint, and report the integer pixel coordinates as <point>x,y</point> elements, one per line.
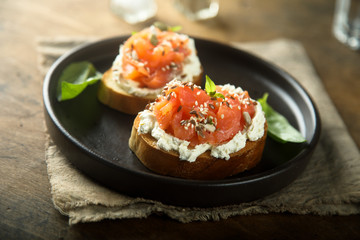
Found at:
<point>95,138</point>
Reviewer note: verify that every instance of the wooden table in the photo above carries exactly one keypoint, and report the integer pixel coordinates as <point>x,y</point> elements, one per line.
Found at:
<point>26,210</point>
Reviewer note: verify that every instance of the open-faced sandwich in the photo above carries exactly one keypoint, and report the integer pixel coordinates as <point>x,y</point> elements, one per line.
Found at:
<point>196,134</point>
<point>146,62</point>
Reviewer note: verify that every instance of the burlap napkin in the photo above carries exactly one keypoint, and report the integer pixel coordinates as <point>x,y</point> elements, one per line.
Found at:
<point>329,185</point>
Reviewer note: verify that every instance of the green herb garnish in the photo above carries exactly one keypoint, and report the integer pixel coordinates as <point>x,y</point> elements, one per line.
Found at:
<point>160,25</point>
<point>163,27</point>
<point>75,78</point>
<point>278,127</point>
<point>210,88</point>
<point>153,40</point>
<point>175,28</point>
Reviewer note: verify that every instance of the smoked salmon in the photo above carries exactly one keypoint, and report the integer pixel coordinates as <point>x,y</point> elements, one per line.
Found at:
<point>188,112</point>
<point>153,57</point>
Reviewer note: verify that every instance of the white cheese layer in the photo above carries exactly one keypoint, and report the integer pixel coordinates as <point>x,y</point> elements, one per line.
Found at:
<point>255,131</point>
<point>191,69</point>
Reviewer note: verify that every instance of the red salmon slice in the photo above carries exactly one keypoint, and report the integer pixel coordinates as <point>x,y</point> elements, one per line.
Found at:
<point>189,113</point>
<point>153,57</point>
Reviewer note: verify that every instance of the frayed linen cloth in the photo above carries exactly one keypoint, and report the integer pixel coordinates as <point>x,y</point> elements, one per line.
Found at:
<point>330,184</point>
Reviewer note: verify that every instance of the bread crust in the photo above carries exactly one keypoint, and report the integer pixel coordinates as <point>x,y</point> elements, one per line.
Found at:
<point>112,95</point>
<point>205,167</point>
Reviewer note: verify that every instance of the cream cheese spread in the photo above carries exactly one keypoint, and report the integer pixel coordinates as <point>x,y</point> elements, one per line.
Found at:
<point>191,68</point>
<point>167,142</point>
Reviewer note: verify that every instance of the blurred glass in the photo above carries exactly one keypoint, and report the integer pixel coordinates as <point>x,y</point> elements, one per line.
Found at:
<point>198,9</point>
<point>134,11</point>
<point>346,26</point>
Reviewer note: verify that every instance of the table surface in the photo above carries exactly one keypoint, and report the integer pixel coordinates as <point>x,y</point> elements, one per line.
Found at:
<point>26,209</point>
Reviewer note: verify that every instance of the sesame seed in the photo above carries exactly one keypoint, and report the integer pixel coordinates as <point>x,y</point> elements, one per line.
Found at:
<point>205,110</point>
<point>196,103</point>
<point>222,116</point>
<point>134,55</point>
<point>210,128</point>
<point>247,117</point>
<point>198,93</point>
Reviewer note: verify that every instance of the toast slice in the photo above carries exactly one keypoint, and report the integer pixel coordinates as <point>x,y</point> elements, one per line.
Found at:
<point>205,167</point>
<point>112,95</point>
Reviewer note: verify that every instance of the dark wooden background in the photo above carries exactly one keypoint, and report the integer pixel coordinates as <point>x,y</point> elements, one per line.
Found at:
<point>26,210</point>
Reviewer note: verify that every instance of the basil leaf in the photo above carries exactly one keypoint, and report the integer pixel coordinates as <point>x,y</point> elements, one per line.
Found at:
<point>210,86</point>
<point>75,78</point>
<point>175,28</point>
<point>218,95</point>
<point>278,127</point>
